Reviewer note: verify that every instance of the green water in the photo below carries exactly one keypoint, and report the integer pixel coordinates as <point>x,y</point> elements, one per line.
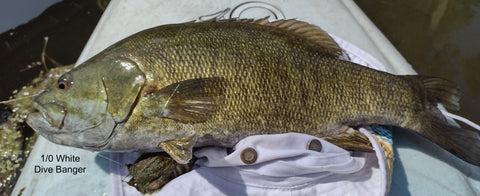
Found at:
<point>438,38</point>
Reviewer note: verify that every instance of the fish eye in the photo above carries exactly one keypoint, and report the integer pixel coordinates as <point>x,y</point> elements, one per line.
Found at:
<point>62,85</point>
<point>64,82</point>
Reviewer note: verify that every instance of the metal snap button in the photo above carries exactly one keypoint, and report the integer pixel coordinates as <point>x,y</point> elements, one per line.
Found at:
<point>315,145</point>
<point>248,155</point>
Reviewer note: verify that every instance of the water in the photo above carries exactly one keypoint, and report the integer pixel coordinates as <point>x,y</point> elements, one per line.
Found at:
<point>14,13</point>
<point>439,38</point>
<point>67,25</point>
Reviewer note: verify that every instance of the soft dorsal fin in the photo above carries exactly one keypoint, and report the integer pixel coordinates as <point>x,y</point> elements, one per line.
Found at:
<point>309,32</point>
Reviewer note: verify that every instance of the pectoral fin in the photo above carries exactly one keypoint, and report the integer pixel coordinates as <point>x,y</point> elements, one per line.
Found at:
<point>191,101</point>
<point>180,149</point>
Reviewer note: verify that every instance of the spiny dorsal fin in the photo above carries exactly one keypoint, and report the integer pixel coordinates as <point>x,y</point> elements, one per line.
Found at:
<point>310,32</point>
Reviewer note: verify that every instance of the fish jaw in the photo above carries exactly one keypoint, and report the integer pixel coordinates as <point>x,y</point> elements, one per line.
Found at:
<point>40,122</point>
<point>54,113</point>
<point>82,139</point>
<point>49,118</point>
<point>48,122</point>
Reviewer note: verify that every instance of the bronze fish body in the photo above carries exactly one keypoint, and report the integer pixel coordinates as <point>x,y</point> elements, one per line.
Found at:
<point>175,87</point>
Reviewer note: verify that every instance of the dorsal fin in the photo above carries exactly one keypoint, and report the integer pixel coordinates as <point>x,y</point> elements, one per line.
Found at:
<point>309,32</point>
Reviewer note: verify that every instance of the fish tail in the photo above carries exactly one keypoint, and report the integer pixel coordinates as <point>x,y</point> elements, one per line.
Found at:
<point>463,143</point>
<point>442,91</point>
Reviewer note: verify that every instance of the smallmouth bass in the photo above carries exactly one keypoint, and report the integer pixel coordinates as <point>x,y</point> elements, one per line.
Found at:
<point>175,87</point>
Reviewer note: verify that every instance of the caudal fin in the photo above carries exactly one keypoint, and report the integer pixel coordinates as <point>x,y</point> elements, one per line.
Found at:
<point>442,91</point>
<point>463,143</point>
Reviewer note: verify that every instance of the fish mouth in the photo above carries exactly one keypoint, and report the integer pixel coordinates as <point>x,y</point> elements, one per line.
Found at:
<point>50,120</point>
<point>53,113</point>
<point>51,127</point>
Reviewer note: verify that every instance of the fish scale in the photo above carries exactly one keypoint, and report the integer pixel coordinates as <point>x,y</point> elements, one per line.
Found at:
<point>269,80</point>
<point>175,87</point>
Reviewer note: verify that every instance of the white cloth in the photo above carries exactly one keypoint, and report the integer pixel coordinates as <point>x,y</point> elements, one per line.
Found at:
<point>284,166</point>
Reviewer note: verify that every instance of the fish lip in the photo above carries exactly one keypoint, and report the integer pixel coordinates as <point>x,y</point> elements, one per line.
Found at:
<point>45,113</point>
<point>39,109</point>
<point>42,122</point>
